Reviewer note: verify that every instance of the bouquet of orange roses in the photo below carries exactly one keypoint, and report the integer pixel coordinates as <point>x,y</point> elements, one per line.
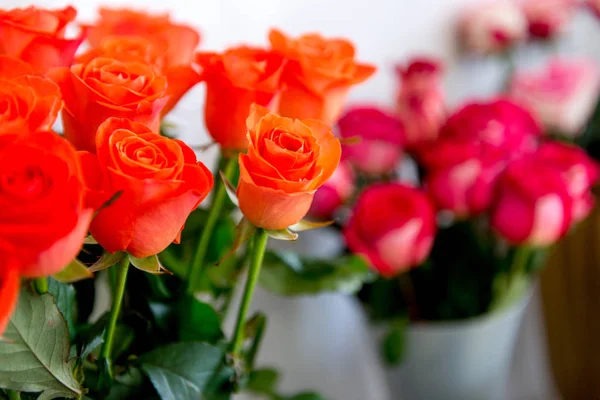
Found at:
<point>113,281</point>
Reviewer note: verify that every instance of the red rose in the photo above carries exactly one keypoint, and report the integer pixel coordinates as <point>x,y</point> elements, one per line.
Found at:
<point>333,193</point>
<point>381,139</point>
<point>43,220</point>
<point>533,205</point>
<point>393,226</point>
<point>161,184</point>
<point>9,291</point>
<point>420,103</point>
<point>548,18</point>
<point>37,36</point>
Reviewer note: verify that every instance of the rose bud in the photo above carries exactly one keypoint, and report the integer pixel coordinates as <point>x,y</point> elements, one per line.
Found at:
<point>381,139</point>
<point>31,103</point>
<point>532,206</point>
<point>563,93</point>
<point>106,88</point>
<point>492,27</point>
<point>579,171</point>
<point>37,36</point>
<point>234,80</point>
<point>393,226</point>
<point>335,192</point>
<point>420,103</point>
<point>466,185</point>
<point>180,77</point>
<point>317,76</point>
<point>287,161</point>
<point>548,18</point>
<point>159,181</point>
<point>43,216</point>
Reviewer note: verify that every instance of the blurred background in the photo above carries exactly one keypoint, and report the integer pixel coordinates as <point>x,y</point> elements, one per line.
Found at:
<point>324,343</point>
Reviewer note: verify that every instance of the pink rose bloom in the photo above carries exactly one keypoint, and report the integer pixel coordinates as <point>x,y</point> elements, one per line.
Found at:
<point>335,192</point>
<point>533,206</point>
<point>563,93</point>
<point>381,139</point>
<point>492,27</point>
<point>420,103</point>
<point>393,226</point>
<point>547,18</point>
<point>579,171</point>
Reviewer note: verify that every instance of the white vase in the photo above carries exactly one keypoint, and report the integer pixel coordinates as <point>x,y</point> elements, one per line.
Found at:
<point>463,360</point>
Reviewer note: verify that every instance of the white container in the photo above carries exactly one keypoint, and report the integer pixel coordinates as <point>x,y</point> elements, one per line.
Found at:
<point>463,360</point>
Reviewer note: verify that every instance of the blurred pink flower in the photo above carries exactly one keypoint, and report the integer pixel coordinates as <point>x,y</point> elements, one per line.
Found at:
<point>420,103</point>
<point>333,193</point>
<point>547,18</point>
<point>493,26</point>
<point>594,5</point>
<point>563,93</point>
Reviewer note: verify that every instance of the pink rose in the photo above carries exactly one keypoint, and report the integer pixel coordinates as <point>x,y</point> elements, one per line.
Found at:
<point>492,27</point>
<point>533,206</point>
<point>563,93</point>
<point>594,5</point>
<point>548,18</point>
<point>421,102</point>
<point>579,171</point>
<point>393,226</point>
<point>465,186</point>
<point>381,139</point>
<point>333,193</point>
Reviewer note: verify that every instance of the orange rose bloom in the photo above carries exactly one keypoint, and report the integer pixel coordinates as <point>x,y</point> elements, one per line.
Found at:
<point>37,36</point>
<point>318,75</point>
<point>43,220</point>
<point>161,184</point>
<point>287,161</point>
<point>31,103</point>
<point>180,78</point>
<point>106,88</point>
<point>234,80</point>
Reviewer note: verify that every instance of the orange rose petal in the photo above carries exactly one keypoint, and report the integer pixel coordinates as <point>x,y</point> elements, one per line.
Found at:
<point>363,72</point>
<point>11,67</point>
<point>331,150</point>
<point>256,113</point>
<point>180,79</point>
<point>9,293</point>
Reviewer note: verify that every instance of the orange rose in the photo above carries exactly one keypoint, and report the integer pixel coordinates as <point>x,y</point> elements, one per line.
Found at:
<point>31,103</point>
<point>287,161</point>
<point>234,80</point>
<point>318,75</point>
<point>160,180</point>
<point>180,78</point>
<point>9,292</point>
<point>37,36</point>
<point>106,88</point>
<point>43,220</point>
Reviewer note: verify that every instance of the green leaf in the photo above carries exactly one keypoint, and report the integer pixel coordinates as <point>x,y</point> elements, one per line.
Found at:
<point>182,371</point>
<point>305,225</point>
<point>149,264</point>
<point>89,240</point>
<point>64,297</point>
<point>283,234</point>
<point>198,322</point>
<point>35,355</point>
<point>305,396</point>
<point>230,189</point>
<point>243,232</point>
<point>288,274</point>
<point>75,271</point>
<point>263,381</point>
<point>107,260</point>
<point>394,342</point>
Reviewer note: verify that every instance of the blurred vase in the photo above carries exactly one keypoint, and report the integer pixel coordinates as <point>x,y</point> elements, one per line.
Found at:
<point>570,288</point>
<point>462,360</point>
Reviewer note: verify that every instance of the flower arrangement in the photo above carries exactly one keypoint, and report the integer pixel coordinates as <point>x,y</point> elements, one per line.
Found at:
<point>112,204</point>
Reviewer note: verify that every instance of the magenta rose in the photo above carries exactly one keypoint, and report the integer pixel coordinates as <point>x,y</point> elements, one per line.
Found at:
<point>381,139</point>
<point>393,226</point>
<point>335,192</point>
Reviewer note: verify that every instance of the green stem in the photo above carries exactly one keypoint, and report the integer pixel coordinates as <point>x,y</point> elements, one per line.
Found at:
<point>41,285</point>
<point>115,310</point>
<point>13,395</point>
<point>197,267</point>
<point>256,259</point>
<point>520,261</point>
